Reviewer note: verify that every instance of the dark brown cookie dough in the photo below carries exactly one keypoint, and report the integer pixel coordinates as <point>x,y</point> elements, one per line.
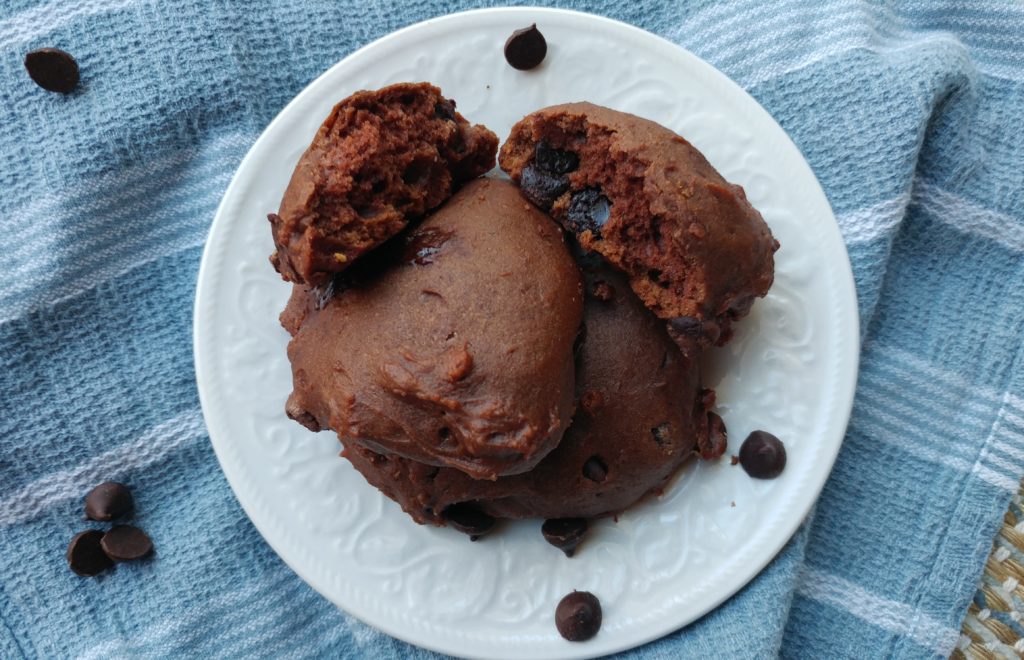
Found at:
<point>381,159</point>
<point>641,415</point>
<point>696,252</point>
<point>459,351</point>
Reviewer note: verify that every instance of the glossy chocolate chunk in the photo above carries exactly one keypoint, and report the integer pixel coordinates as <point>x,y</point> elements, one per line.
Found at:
<point>762,455</point>
<point>564,533</point>
<point>85,556</point>
<point>526,48</point>
<point>578,616</point>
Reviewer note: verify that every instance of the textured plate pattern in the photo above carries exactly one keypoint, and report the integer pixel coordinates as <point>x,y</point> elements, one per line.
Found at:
<point>791,368</point>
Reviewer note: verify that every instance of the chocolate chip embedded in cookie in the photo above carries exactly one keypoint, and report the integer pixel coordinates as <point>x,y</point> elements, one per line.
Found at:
<point>380,160</point>
<point>695,250</point>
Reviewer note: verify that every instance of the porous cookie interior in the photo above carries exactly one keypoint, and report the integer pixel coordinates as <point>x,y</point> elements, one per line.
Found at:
<point>380,160</point>
<point>650,203</point>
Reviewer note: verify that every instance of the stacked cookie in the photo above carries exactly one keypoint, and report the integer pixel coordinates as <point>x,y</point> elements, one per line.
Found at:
<point>528,349</point>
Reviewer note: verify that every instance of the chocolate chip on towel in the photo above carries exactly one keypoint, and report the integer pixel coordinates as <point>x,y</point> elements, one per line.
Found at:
<point>125,543</point>
<point>107,501</point>
<point>52,69</point>
<point>85,556</point>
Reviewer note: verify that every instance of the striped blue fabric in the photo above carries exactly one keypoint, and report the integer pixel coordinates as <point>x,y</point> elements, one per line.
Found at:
<point>910,115</point>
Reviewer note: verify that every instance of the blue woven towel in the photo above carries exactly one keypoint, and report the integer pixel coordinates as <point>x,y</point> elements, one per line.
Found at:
<point>912,118</point>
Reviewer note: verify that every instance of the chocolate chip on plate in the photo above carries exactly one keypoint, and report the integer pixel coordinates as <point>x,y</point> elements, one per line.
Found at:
<point>589,210</point>
<point>107,501</point>
<point>85,556</point>
<point>564,533</point>
<point>762,455</point>
<point>526,48</point>
<point>52,69</point>
<point>578,616</point>
<point>467,519</point>
<point>595,469</point>
<point>126,543</point>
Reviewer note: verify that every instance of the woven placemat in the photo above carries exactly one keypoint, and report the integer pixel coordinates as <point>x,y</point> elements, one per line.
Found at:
<point>994,626</point>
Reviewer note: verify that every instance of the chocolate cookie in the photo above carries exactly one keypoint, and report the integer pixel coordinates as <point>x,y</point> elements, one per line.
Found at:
<point>456,349</point>
<point>381,159</point>
<point>641,415</point>
<point>695,250</point>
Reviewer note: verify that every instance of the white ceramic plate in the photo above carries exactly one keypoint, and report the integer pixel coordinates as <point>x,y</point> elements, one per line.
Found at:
<point>791,369</point>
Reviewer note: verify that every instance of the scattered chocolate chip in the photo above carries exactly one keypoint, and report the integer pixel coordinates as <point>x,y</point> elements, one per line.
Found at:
<point>107,501</point>
<point>554,161</point>
<point>126,543</point>
<point>526,48</point>
<point>591,401</point>
<point>578,616</point>
<point>589,210</point>
<point>564,533</point>
<point>540,187</point>
<point>762,455</point>
<point>85,556</point>
<point>661,434</point>
<point>467,519</point>
<point>595,469</point>
<point>734,460</point>
<point>52,69</point>
<point>603,291</point>
<point>445,109</point>
<point>717,441</point>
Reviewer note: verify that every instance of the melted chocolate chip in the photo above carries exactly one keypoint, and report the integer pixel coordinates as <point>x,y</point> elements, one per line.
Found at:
<point>685,326</point>
<point>126,543</point>
<point>107,501</point>
<point>85,556</point>
<point>423,246</point>
<point>540,187</point>
<point>588,211</point>
<point>467,519</point>
<point>445,109</point>
<point>526,48</point>
<point>662,434</point>
<point>762,455</point>
<point>554,161</point>
<point>595,469</point>
<point>52,69</point>
<point>578,616</point>
<point>718,439</point>
<point>564,533</point>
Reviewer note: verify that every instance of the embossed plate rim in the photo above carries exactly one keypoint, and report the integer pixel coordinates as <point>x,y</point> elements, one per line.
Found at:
<point>654,624</point>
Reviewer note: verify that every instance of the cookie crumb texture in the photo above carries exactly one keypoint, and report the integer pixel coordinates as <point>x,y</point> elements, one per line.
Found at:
<point>649,202</point>
<point>380,160</point>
